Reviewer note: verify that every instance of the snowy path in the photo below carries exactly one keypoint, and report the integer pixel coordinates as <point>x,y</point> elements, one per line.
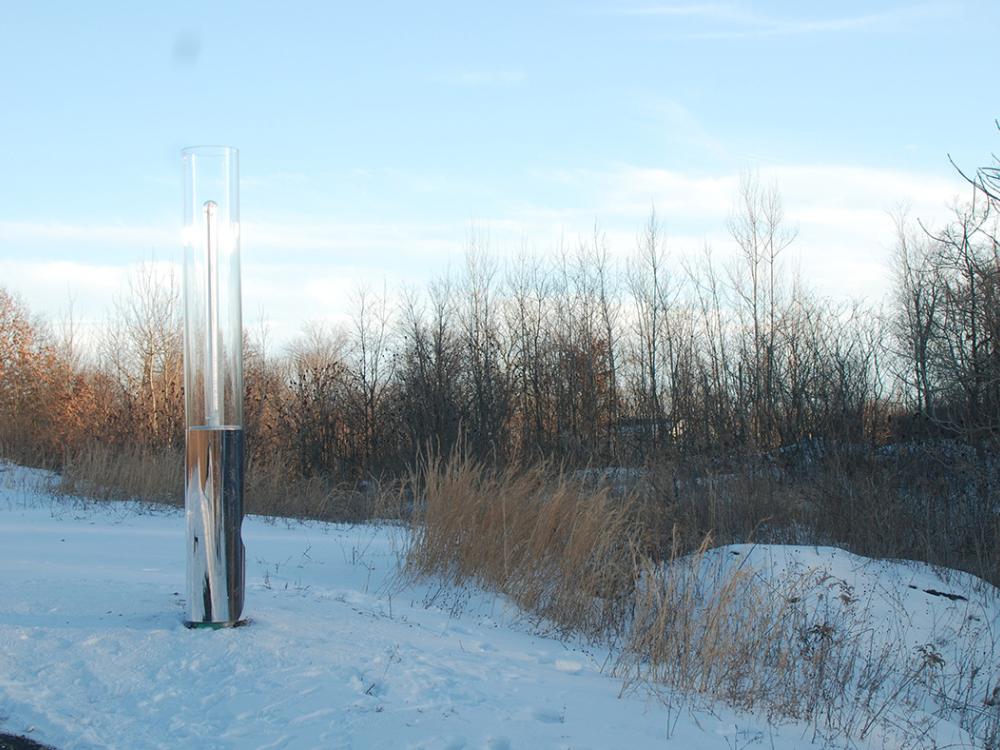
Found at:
<point>93,653</point>
<point>339,655</point>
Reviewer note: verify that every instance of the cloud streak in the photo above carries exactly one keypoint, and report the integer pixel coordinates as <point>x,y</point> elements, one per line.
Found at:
<point>300,269</point>
<point>843,214</point>
<point>730,21</point>
<point>483,78</point>
<point>114,234</point>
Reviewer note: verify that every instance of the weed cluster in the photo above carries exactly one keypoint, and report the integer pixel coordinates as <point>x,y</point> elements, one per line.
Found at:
<point>559,548</point>
<point>272,489</point>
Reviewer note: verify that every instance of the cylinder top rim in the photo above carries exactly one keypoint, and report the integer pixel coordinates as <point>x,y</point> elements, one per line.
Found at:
<point>210,150</point>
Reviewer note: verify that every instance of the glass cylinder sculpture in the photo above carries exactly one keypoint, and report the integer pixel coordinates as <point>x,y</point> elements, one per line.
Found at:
<point>213,387</point>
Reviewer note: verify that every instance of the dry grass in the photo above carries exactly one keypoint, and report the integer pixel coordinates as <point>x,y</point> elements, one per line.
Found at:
<point>706,626</point>
<point>104,473</point>
<point>560,549</point>
<point>684,623</point>
<point>917,505</point>
<point>685,503</point>
<point>635,568</point>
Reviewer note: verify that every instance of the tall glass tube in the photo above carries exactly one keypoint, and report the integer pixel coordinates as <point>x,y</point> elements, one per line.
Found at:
<point>213,386</point>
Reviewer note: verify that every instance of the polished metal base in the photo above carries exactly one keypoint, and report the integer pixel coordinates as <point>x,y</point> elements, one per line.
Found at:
<point>216,625</point>
<point>213,500</point>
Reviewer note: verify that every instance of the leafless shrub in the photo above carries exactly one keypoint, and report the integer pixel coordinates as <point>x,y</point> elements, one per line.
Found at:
<point>271,489</point>
<point>801,647</point>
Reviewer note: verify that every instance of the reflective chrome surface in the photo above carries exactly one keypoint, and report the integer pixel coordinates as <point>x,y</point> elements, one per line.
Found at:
<point>213,499</point>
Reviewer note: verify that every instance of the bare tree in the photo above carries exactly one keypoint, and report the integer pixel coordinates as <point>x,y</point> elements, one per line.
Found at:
<point>717,425</point>
<point>141,348</point>
<point>486,379</point>
<point>610,313</point>
<point>757,225</point>
<point>652,294</point>
<point>314,408</point>
<point>429,373</point>
<point>918,295</point>
<point>528,292</point>
<point>371,369</point>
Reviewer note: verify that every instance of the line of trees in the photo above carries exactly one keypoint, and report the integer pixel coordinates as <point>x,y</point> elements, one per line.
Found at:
<point>579,358</point>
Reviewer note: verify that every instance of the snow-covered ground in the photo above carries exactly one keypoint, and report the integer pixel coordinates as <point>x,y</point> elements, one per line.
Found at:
<point>341,653</point>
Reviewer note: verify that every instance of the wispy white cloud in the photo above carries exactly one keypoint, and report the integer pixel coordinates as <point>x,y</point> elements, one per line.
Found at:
<point>115,234</point>
<point>476,78</point>
<point>285,179</point>
<point>724,12</point>
<point>60,277</point>
<point>415,241</point>
<point>301,269</point>
<point>678,126</point>
<point>286,235</point>
<point>731,21</point>
<point>87,289</point>
<point>843,215</point>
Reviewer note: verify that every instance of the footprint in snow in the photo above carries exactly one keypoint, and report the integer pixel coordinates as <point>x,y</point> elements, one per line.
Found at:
<point>445,743</point>
<point>568,666</point>
<point>547,715</point>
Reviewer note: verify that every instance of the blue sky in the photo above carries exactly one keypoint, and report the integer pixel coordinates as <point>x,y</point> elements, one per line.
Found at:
<point>373,136</point>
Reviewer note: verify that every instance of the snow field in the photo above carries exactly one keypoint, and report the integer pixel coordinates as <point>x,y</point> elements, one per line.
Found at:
<point>341,652</point>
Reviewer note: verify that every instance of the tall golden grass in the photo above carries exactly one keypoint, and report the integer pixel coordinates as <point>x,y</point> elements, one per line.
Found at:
<point>105,473</point>
<point>559,548</point>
